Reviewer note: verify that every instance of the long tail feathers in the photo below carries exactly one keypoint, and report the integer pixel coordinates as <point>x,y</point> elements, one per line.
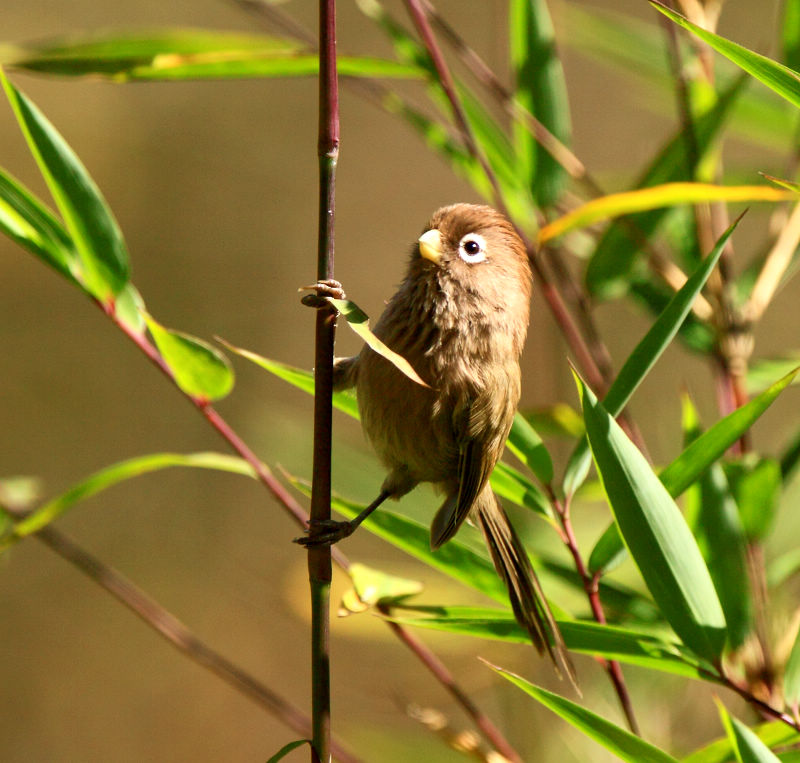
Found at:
<point>527,598</point>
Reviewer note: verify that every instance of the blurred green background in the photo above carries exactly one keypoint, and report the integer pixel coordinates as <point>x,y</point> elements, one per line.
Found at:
<point>214,186</point>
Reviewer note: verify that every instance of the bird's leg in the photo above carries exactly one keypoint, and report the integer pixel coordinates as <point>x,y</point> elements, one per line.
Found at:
<point>324,288</point>
<point>328,531</point>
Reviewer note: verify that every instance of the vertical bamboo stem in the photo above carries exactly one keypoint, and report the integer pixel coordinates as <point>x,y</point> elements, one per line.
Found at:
<point>319,557</point>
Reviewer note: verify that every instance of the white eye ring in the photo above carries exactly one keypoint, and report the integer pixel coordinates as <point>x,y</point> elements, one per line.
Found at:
<point>472,248</point>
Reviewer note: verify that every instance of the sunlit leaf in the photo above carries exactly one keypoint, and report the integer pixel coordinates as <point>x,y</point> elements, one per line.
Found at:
<point>670,194</point>
<point>783,80</point>
<point>198,369</point>
<point>344,401</point>
<point>358,320</point>
<point>646,354</point>
<point>373,586</point>
<point>612,643</point>
<point>541,89</point>
<point>772,734</point>
<point>125,470</point>
<point>746,744</point>
<point>508,483</point>
<point>524,442</point>
<point>655,533</point>
<point>707,448</point>
<point>610,268</point>
<point>89,221</point>
<point>622,743</point>
<point>186,54</point>
<point>27,221</point>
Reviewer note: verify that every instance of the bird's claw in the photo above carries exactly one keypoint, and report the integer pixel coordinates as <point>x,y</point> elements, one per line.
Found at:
<point>324,532</point>
<point>324,288</point>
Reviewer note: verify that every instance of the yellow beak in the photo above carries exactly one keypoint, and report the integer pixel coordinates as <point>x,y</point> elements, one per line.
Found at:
<point>430,245</point>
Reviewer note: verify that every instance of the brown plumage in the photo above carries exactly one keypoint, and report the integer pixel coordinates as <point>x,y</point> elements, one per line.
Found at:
<point>460,318</point>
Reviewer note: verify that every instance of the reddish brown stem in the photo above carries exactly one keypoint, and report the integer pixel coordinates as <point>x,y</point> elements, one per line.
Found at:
<point>443,675</point>
<point>591,587</point>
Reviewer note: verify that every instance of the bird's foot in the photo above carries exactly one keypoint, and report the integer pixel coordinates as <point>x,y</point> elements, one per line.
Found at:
<point>325,288</point>
<point>325,532</point>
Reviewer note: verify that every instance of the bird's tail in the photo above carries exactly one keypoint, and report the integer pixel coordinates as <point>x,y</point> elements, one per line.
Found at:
<point>527,598</point>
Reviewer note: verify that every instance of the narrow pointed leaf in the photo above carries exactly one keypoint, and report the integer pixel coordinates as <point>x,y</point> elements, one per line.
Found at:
<point>713,516</point>
<point>791,34</point>
<point>358,320</point>
<point>198,369</point>
<point>608,553</point>
<point>783,80</point>
<point>791,677</point>
<point>609,269</point>
<point>286,749</point>
<point>612,643</point>
<point>656,534</point>
<point>670,194</point>
<point>707,448</point>
<point>622,743</point>
<point>745,743</point>
<point>756,486</point>
<point>524,442</point>
<point>189,54</point>
<point>646,353</point>
<point>454,558</point>
<point>91,225</point>
<point>510,484</point>
<point>772,734</point>
<point>27,221</point>
<point>344,401</point>
<point>125,470</point>
<point>541,89</point>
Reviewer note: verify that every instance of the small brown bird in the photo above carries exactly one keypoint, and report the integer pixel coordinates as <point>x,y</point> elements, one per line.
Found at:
<point>460,318</point>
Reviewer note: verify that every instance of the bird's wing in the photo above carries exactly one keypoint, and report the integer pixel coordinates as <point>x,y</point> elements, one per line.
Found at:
<point>474,467</point>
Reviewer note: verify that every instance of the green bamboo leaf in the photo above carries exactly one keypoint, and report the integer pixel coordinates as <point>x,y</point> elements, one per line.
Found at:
<point>27,221</point>
<point>790,29</point>
<point>756,485</point>
<point>707,448</point>
<point>510,484</point>
<point>645,355</point>
<point>790,458</point>
<point>608,271</point>
<point>622,743</point>
<point>524,442</point>
<point>119,472</point>
<point>89,221</point>
<point>189,54</point>
<point>608,553</point>
<point>713,516</point>
<point>129,309</point>
<point>541,89</point>
<point>745,743</point>
<point>358,320</point>
<point>454,558</point>
<point>655,533</point>
<point>610,642</point>
<point>791,677</point>
<point>772,734</point>
<point>287,748</point>
<point>783,80</point>
<point>344,401</point>
<point>198,369</point>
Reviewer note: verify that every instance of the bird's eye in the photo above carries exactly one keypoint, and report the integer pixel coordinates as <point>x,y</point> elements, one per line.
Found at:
<point>472,248</point>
